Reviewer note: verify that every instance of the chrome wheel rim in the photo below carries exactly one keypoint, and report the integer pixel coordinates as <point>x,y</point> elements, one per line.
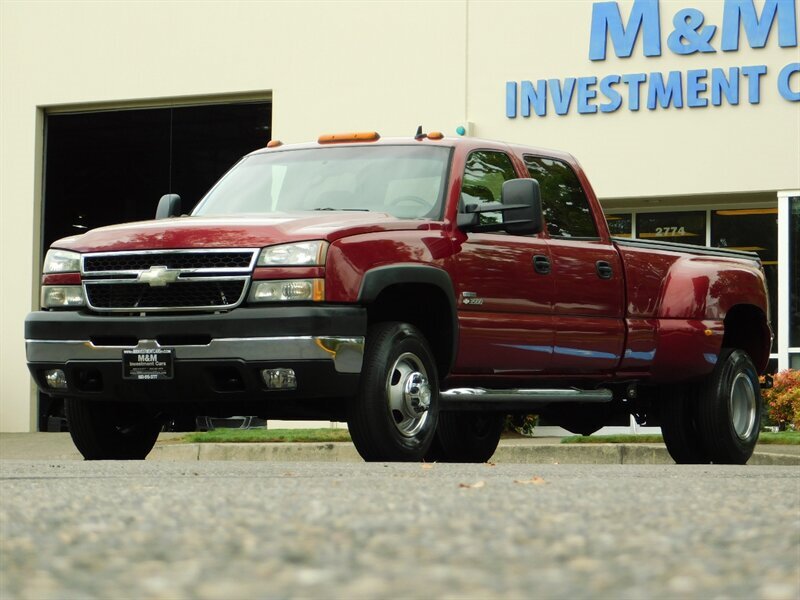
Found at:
<point>743,406</point>
<point>409,394</point>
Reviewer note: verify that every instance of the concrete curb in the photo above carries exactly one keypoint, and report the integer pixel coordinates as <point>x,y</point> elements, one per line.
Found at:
<point>609,454</point>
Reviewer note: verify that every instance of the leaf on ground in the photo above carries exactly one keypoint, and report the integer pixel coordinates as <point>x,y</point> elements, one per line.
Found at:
<point>427,465</point>
<point>531,481</point>
<point>477,484</point>
<point>490,464</point>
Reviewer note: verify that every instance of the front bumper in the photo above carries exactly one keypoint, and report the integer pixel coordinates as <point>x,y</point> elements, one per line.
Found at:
<point>217,356</point>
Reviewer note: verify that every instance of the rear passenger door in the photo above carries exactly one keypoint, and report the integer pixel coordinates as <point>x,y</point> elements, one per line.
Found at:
<point>586,270</point>
<point>504,304</point>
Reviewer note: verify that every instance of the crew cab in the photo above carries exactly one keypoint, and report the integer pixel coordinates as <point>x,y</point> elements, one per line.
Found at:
<point>419,288</point>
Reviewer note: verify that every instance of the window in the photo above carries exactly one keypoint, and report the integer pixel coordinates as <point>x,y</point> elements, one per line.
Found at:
<point>620,225</point>
<point>566,209</point>
<point>756,230</point>
<point>484,176</point>
<point>405,181</point>
<point>680,227</point>
<point>794,275</point>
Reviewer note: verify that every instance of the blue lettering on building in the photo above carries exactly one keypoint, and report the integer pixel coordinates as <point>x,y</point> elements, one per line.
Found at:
<point>742,23</point>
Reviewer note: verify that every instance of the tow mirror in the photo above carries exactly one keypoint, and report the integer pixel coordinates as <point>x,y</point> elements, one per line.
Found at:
<point>524,201</point>
<point>169,206</point>
<point>520,203</point>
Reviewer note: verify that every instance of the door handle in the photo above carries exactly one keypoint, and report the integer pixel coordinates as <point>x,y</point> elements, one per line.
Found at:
<point>541,264</point>
<point>604,269</point>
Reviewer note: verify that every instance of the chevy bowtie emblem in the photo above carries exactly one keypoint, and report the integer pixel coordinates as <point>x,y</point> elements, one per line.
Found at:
<point>158,276</point>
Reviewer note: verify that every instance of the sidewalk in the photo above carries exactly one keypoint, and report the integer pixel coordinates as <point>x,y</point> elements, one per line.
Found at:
<point>537,450</point>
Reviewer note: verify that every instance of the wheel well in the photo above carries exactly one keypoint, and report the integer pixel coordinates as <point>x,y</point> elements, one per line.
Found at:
<point>427,308</point>
<point>746,328</point>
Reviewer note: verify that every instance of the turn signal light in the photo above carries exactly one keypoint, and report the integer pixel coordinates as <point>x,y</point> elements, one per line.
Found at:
<point>357,136</point>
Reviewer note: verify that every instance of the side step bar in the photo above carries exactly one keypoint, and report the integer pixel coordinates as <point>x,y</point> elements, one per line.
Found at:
<point>514,400</point>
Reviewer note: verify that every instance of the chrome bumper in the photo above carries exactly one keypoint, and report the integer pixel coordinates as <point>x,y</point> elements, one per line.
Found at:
<point>346,352</point>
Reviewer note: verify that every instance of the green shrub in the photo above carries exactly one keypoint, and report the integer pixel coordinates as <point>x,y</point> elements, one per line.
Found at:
<point>522,424</point>
<point>782,400</point>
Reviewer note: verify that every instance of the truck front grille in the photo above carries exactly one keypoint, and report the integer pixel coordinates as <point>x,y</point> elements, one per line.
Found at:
<point>99,263</point>
<point>167,280</point>
<point>183,295</point>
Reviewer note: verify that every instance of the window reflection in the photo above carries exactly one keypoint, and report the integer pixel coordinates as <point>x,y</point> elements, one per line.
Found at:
<point>754,230</point>
<point>620,225</point>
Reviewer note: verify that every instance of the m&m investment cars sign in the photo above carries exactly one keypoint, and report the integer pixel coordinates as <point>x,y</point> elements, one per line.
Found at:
<point>694,88</point>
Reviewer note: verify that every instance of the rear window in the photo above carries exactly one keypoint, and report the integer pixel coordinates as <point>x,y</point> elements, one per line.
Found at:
<point>564,203</point>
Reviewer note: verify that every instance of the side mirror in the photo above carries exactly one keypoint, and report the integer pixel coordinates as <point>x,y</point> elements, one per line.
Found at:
<point>524,215</point>
<point>169,206</point>
<point>520,203</point>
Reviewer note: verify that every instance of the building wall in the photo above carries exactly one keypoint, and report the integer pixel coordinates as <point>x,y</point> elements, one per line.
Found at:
<point>389,66</point>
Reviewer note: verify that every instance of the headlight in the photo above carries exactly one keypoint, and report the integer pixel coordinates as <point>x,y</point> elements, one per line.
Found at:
<point>303,254</point>
<point>298,290</point>
<point>62,261</point>
<point>62,296</point>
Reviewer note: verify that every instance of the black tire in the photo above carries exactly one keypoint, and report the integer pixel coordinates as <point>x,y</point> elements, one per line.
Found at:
<point>111,431</point>
<point>386,418</point>
<point>466,437</point>
<point>729,409</point>
<point>678,411</point>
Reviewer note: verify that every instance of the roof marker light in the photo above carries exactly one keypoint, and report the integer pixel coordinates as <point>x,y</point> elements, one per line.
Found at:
<point>274,143</point>
<point>435,135</point>
<point>356,136</point>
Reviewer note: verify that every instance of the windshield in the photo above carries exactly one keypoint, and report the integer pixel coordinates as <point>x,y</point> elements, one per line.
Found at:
<point>405,181</point>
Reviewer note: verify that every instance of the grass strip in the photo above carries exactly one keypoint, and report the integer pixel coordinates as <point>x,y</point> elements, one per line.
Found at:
<point>221,436</point>
<point>790,438</point>
<point>647,438</point>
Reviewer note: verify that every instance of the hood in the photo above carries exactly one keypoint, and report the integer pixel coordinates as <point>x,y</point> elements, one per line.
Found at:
<point>240,231</point>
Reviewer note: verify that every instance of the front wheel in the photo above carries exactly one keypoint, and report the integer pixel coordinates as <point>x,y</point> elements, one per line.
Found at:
<point>111,431</point>
<point>394,415</point>
<point>729,409</point>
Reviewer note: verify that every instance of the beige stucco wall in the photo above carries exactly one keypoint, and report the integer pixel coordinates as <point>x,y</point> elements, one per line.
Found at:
<point>334,66</point>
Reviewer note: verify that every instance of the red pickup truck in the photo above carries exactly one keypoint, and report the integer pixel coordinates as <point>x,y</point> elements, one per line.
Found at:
<point>420,289</point>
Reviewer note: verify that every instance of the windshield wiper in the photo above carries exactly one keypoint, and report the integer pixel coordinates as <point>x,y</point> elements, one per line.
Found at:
<point>355,209</point>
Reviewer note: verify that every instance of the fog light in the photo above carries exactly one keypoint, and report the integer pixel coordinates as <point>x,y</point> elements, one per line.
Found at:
<point>279,379</point>
<point>56,379</point>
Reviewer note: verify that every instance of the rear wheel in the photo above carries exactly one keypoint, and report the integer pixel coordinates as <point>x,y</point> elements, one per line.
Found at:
<point>729,409</point>
<point>466,437</point>
<point>393,417</point>
<point>678,412</point>
<point>111,431</point>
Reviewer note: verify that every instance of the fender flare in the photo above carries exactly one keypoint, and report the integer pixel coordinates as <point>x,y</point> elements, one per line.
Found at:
<point>378,279</point>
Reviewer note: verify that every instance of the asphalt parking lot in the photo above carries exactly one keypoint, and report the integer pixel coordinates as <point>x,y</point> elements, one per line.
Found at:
<point>214,529</point>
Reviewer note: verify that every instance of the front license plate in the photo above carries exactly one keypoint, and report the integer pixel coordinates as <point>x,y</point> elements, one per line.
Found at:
<point>148,364</point>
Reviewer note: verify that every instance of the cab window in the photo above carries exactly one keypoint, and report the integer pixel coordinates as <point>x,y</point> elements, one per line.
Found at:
<point>564,203</point>
<point>484,175</point>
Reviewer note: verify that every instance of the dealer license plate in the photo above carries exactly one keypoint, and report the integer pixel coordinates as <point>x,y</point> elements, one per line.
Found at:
<point>148,364</point>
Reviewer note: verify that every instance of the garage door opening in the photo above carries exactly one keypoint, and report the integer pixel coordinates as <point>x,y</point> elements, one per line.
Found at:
<point>109,167</point>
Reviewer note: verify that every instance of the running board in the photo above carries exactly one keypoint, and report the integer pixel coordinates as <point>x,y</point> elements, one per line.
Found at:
<point>515,400</point>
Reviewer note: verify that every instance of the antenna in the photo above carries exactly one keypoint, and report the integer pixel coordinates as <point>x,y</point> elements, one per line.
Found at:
<point>419,134</point>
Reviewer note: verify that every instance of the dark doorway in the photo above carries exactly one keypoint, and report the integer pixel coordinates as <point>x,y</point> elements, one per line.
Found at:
<point>112,167</point>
